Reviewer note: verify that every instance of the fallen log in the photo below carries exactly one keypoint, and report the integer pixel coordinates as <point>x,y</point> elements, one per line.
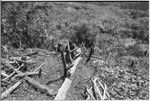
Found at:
<point>67,82</point>
<point>8,91</point>
<point>41,87</point>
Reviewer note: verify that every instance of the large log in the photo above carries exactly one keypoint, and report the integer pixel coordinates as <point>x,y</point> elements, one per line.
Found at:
<point>63,89</point>
<point>67,82</point>
<point>8,91</point>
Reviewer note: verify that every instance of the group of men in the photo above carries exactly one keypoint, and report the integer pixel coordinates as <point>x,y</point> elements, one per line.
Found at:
<point>70,51</point>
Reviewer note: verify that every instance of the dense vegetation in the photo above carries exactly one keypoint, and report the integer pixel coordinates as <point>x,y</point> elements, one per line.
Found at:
<point>120,31</point>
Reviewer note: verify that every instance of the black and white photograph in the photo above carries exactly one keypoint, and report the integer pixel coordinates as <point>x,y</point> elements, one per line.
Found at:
<point>74,50</point>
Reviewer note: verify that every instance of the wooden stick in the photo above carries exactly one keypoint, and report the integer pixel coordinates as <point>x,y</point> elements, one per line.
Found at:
<point>26,74</point>
<point>12,74</point>
<point>39,67</point>
<point>7,92</point>
<point>41,87</point>
<point>67,82</point>
<point>94,91</point>
<point>96,87</point>
<point>4,74</point>
<point>89,91</point>
<point>15,58</point>
<point>103,95</point>
<point>105,89</point>
<point>6,63</point>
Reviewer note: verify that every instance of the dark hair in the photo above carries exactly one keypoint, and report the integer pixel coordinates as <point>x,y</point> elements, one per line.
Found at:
<point>84,34</point>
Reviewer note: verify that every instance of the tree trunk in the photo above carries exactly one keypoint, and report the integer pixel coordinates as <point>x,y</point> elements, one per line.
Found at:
<point>62,92</point>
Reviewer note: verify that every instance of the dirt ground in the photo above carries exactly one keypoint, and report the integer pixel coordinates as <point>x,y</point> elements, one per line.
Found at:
<point>122,82</point>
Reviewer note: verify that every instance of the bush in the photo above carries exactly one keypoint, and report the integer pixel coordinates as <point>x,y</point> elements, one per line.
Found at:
<point>85,33</point>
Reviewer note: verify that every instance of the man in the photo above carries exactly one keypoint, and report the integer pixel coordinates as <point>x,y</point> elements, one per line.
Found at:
<point>91,51</point>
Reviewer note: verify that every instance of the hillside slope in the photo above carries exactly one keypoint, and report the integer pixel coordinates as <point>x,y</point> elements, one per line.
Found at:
<point>121,35</point>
